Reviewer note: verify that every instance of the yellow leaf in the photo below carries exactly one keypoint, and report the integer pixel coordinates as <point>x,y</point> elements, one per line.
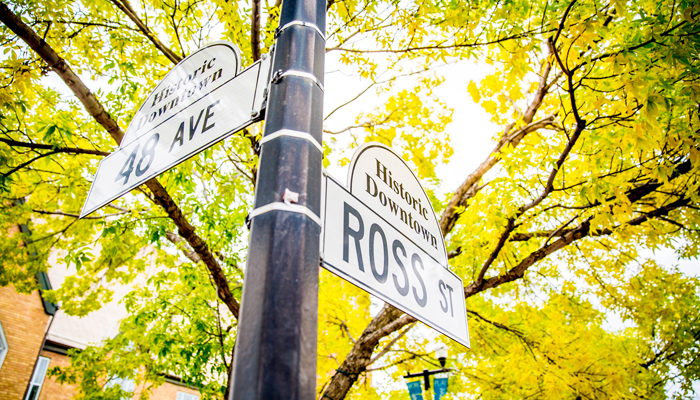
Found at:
<point>474,92</point>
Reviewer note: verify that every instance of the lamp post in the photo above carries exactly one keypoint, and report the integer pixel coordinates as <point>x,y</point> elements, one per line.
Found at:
<point>441,355</point>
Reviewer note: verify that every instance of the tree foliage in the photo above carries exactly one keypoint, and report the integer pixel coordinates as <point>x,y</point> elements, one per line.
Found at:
<point>595,165</point>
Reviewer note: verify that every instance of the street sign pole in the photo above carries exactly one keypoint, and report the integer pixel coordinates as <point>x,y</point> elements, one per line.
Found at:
<point>276,344</point>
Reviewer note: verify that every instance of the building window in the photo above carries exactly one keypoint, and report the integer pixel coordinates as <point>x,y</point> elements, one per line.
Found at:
<point>3,345</point>
<point>124,384</point>
<point>37,378</point>
<point>187,396</point>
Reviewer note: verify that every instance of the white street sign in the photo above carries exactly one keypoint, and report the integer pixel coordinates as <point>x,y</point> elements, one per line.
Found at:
<point>201,72</point>
<point>196,118</point>
<point>361,245</point>
<point>382,180</point>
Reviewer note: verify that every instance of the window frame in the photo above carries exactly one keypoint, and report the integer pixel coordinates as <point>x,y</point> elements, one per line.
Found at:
<point>34,375</point>
<point>186,396</point>
<point>126,384</point>
<point>4,346</point>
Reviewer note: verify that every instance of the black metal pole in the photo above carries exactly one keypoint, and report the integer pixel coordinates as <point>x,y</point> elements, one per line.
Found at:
<point>276,344</point>
<point>426,375</point>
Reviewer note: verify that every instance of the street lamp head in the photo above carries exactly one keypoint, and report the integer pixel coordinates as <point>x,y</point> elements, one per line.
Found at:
<point>441,355</point>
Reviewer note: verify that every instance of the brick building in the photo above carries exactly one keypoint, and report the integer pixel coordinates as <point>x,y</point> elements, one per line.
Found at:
<point>35,335</point>
<point>23,325</point>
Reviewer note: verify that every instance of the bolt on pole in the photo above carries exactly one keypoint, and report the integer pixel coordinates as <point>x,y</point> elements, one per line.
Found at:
<point>276,343</point>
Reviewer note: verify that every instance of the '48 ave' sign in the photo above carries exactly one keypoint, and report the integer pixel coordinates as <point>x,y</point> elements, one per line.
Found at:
<point>199,102</point>
<point>382,235</point>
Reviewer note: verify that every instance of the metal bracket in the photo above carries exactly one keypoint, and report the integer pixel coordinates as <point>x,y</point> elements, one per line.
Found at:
<point>292,72</point>
<point>279,206</point>
<point>258,112</point>
<point>264,103</point>
<point>300,23</point>
<point>292,133</point>
<point>276,76</point>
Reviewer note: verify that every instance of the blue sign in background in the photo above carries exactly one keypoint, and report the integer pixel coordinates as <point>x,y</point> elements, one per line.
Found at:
<point>439,387</point>
<point>415,390</point>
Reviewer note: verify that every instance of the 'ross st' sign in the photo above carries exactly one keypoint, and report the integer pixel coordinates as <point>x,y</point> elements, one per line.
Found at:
<point>383,236</point>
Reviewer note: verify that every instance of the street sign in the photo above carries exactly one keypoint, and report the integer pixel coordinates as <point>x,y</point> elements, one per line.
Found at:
<point>201,72</point>
<point>379,250</point>
<point>184,115</point>
<point>381,179</point>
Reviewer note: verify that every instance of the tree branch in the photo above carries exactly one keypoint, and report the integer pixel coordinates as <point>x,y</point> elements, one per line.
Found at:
<point>255,30</point>
<point>387,321</point>
<point>59,65</point>
<point>496,324</point>
<point>583,230</point>
<point>97,111</point>
<point>73,150</point>
<point>24,164</point>
<point>187,231</point>
<point>391,344</point>
<point>81,23</point>
<point>549,186</point>
<point>467,189</point>
<point>186,250</point>
<point>65,214</point>
<point>371,85</point>
<point>126,8</point>
<point>440,47</point>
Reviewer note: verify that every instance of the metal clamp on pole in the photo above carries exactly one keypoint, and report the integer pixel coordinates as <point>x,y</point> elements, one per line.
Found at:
<point>300,23</point>
<point>280,206</point>
<point>279,75</point>
<point>292,133</point>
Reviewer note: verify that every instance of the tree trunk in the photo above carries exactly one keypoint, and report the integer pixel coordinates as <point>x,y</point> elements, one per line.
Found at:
<point>389,319</point>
